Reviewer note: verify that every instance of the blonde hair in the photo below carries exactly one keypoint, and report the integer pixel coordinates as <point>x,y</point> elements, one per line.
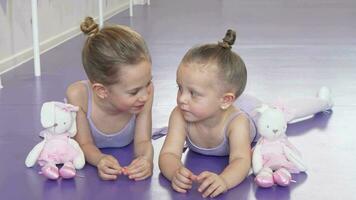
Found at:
<point>107,50</point>
<point>230,66</point>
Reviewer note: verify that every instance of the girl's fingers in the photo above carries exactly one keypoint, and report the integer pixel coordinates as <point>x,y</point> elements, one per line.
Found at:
<point>135,163</point>
<point>143,177</point>
<point>193,177</point>
<point>183,179</point>
<point>113,160</point>
<point>136,169</point>
<point>109,162</point>
<point>218,191</point>
<point>111,171</point>
<point>210,189</point>
<point>203,176</point>
<point>181,185</point>
<point>139,175</point>
<point>205,184</point>
<point>137,172</point>
<point>178,189</point>
<point>188,174</point>
<point>107,176</point>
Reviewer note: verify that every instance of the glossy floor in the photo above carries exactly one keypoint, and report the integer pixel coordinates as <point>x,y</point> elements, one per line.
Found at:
<point>291,48</point>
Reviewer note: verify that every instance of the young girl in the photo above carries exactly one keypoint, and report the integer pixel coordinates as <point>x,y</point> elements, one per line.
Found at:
<point>210,78</point>
<point>115,103</point>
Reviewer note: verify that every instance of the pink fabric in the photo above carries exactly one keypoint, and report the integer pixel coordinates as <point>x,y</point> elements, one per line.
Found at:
<point>273,155</point>
<point>57,150</point>
<point>68,170</point>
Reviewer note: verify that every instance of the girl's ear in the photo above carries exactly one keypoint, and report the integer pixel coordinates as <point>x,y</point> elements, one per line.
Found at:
<point>100,90</point>
<point>227,100</point>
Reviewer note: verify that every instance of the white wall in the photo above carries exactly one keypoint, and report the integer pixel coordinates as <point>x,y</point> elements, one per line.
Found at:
<point>58,21</point>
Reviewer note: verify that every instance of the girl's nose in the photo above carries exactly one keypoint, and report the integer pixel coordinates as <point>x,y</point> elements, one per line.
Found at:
<point>182,99</point>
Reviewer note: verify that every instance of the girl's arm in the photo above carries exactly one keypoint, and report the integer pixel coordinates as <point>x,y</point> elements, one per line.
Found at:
<point>240,152</point>
<point>76,94</point>
<point>212,184</point>
<point>171,152</point>
<point>142,166</point>
<point>170,156</point>
<point>143,130</point>
<point>108,166</point>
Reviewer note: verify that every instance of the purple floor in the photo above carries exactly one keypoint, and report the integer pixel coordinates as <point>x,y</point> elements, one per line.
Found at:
<point>291,48</point>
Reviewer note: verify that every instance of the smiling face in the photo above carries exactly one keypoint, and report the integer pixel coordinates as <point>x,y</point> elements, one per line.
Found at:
<point>133,90</point>
<point>199,92</point>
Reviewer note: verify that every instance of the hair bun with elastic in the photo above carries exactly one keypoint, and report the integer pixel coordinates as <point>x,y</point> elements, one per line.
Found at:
<point>89,27</point>
<point>228,40</point>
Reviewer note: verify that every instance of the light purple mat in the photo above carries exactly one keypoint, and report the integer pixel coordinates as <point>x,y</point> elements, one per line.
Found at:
<point>291,48</point>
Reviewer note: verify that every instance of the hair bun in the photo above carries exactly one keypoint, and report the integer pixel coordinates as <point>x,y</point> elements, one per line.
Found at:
<point>89,27</point>
<point>229,39</point>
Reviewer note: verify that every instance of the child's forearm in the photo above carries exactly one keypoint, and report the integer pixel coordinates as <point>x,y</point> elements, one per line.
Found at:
<point>169,163</point>
<point>144,149</point>
<point>92,154</point>
<point>236,172</point>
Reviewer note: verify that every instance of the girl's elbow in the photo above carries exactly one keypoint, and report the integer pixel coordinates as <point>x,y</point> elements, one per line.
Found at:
<point>162,160</point>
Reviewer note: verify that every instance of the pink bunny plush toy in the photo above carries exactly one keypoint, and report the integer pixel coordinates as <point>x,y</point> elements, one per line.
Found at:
<point>274,158</point>
<point>57,147</point>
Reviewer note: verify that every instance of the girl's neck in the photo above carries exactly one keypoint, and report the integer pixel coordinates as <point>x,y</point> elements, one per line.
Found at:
<point>215,121</point>
<point>104,106</point>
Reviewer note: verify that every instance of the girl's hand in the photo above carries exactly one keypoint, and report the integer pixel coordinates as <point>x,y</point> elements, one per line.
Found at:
<point>211,184</point>
<point>139,169</point>
<point>183,180</point>
<point>108,168</point>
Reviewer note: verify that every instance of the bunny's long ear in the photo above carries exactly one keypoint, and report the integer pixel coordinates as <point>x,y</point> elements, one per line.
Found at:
<point>47,114</point>
<point>73,128</point>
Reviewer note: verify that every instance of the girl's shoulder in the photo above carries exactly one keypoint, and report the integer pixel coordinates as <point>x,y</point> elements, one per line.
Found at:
<point>177,119</point>
<point>177,114</point>
<point>77,94</point>
<point>238,122</point>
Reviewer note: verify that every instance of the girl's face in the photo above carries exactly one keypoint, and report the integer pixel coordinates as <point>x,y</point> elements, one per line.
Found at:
<point>134,88</point>
<point>199,92</point>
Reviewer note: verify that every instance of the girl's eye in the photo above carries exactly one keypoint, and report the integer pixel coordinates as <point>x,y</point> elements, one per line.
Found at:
<point>134,92</point>
<point>194,94</point>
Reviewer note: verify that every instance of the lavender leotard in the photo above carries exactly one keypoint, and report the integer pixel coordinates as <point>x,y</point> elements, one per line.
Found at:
<point>223,149</point>
<point>102,140</point>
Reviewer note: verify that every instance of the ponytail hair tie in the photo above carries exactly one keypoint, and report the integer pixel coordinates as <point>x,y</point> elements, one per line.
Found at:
<point>228,40</point>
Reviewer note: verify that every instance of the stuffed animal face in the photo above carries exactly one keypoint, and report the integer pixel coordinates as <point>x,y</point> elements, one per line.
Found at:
<point>59,117</point>
<point>271,123</point>
<point>62,121</point>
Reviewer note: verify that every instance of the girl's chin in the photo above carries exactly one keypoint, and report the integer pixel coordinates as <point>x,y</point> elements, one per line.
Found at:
<point>189,117</point>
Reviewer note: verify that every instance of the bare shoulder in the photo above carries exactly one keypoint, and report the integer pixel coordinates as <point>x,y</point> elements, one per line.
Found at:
<point>77,94</point>
<point>176,135</point>
<point>240,125</point>
<point>177,116</point>
<point>177,123</point>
